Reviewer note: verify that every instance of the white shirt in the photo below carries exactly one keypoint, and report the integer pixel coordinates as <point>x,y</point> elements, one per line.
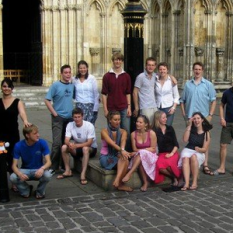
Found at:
<point>167,94</point>
<point>81,134</point>
<point>87,91</point>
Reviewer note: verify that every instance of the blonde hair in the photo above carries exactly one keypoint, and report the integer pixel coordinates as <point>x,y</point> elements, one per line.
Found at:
<point>117,55</point>
<point>29,129</point>
<point>157,116</point>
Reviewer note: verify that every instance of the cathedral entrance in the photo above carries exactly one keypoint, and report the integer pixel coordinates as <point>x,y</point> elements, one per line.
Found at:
<point>22,46</point>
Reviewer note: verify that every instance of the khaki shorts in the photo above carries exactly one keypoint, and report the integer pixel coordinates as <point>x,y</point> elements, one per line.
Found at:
<point>227,134</point>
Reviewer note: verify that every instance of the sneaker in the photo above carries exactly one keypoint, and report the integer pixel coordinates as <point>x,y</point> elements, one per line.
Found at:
<point>52,171</point>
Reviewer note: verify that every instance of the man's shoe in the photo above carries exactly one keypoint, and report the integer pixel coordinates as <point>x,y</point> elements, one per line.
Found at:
<point>52,171</point>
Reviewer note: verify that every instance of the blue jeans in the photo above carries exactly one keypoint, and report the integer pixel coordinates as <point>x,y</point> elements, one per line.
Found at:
<point>170,117</point>
<point>125,124</point>
<point>23,186</point>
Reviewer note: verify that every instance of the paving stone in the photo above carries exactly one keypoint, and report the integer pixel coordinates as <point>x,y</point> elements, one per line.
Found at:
<point>117,221</point>
<point>93,216</point>
<point>52,225</point>
<point>22,223</point>
<point>130,229</point>
<point>47,218</point>
<point>168,229</point>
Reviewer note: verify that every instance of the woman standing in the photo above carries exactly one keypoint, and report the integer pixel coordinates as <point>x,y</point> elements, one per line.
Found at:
<point>167,163</point>
<point>144,152</point>
<point>193,155</point>
<point>10,108</point>
<point>166,92</point>
<point>113,154</point>
<point>86,92</point>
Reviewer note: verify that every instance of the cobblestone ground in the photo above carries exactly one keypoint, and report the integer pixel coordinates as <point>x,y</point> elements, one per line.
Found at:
<point>208,209</point>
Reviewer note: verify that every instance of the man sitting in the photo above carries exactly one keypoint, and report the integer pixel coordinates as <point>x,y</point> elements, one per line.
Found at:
<point>84,144</point>
<point>34,153</point>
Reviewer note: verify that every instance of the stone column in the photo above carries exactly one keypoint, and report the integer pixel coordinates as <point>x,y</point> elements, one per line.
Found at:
<point>220,64</point>
<point>1,45</point>
<point>199,52</point>
<point>47,42</point>
<point>95,61</point>
<point>229,55</point>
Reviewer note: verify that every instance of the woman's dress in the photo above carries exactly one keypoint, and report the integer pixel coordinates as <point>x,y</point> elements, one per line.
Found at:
<point>148,159</point>
<point>9,128</point>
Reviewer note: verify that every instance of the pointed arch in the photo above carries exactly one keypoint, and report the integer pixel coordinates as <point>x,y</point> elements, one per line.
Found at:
<point>120,4</point>
<point>99,5</point>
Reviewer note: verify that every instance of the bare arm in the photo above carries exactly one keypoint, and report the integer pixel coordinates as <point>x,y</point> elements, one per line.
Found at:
<point>129,113</point>
<point>104,100</point>
<point>23,114</point>
<point>205,145</point>
<point>109,141</point>
<point>221,115</point>
<point>212,109</point>
<point>135,101</point>
<point>50,107</point>
<point>187,131</point>
<point>46,165</point>
<point>16,170</point>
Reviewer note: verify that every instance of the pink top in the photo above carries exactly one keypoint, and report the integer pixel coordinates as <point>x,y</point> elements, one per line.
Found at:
<point>104,148</point>
<point>145,144</point>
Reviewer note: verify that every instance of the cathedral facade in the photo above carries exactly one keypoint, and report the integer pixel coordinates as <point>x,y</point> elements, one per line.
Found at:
<point>179,32</point>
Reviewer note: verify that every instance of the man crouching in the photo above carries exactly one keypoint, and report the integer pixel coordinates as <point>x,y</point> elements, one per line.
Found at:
<point>34,153</point>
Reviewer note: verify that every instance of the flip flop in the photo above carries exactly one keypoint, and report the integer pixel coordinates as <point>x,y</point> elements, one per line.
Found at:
<point>30,192</point>
<point>193,187</point>
<point>63,176</point>
<point>14,189</point>
<point>184,188</point>
<point>217,173</point>
<point>207,171</point>
<point>38,196</point>
<point>83,181</point>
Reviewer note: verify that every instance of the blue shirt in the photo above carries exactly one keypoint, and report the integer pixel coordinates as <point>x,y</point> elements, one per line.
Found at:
<point>31,156</point>
<point>227,99</point>
<point>62,96</point>
<point>197,98</point>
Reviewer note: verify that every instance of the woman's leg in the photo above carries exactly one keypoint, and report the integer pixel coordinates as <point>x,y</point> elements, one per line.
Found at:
<point>194,170</point>
<point>186,172</point>
<point>144,178</point>
<point>168,172</point>
<point>136,163</point>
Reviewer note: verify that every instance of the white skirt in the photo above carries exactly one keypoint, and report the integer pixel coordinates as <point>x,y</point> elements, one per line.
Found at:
<point>187,153</point>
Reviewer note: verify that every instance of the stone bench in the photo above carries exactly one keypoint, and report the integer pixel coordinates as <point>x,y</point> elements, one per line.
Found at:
<point>104,178</point>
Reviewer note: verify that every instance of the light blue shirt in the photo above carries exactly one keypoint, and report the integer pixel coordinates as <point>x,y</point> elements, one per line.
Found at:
<point>61,94</point>
<point>146,90</point>
<point>197,97</point>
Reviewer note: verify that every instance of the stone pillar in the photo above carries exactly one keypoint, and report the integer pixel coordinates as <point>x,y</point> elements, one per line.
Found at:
<point>95,61</point>
<point>220,64</point>
<point>199,52</point>
<point>47,42</point>
<point>1,45</point>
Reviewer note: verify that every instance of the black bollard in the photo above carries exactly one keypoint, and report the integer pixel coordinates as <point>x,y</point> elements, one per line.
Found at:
<point>4,191</point>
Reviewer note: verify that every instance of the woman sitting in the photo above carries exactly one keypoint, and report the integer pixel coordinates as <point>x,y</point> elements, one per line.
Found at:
<point>167,163</point>
<point>193,155</point>
<point>113,154</point>
<point>144,152</point>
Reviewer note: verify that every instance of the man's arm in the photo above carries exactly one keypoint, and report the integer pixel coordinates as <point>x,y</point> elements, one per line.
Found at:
<point>129,113</point>
<point>46,165</point>
<point>50,107</point>
<point>104,100</point>
<point>16,170</point>
<point>135,101</point>
<point>221,115</point>
<point>212,109</point>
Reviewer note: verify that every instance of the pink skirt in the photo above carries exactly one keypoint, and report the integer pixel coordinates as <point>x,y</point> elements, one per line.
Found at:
<point>148,160</point>
<point>163,163</point>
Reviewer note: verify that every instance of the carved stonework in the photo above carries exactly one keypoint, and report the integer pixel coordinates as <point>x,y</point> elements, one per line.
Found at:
<point>94,51</point>
<point>116,50</point>
<point>220,52</point>
<point>181,52</point>
<point>199,51</point>
<point>168,52</point>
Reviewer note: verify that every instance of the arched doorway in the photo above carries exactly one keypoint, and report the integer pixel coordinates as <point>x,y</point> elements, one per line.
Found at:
<point>22,46</point>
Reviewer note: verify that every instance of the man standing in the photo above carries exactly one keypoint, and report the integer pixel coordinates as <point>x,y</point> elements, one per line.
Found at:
<point>61,94</point>
<point>116,91</point>
<point>32,151</point>
<point>84,145</point>
<point>199,95</point>
<point>227,127</point>
<point>143,92</point>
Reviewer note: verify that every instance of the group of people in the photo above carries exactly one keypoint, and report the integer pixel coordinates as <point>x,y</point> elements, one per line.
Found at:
<point>152,148</point>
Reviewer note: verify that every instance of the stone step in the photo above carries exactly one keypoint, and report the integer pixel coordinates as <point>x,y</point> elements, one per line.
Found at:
<point>104,178</point>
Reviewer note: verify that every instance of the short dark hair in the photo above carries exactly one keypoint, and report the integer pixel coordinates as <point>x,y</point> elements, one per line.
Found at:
<point>199,64</point>
<point>77,111</point>
<point>111,114</point>
<point>65,67</point>
<point>163,64</point>
<point>151,59</point>
<point>9,82</point>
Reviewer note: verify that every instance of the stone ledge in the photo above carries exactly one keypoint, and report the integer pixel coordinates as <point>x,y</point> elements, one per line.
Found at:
<point>104,178</point>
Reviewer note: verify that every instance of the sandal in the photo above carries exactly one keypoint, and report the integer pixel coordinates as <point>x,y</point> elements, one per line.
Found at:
<point>14,189</point>
<point>30,192</point>
<point>193,187</point>
<point>184,188</point>
<point>207,171</point>
<point>83,181</point>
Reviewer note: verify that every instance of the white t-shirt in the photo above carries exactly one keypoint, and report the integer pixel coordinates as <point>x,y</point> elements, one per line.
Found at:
<point>81,134</point>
